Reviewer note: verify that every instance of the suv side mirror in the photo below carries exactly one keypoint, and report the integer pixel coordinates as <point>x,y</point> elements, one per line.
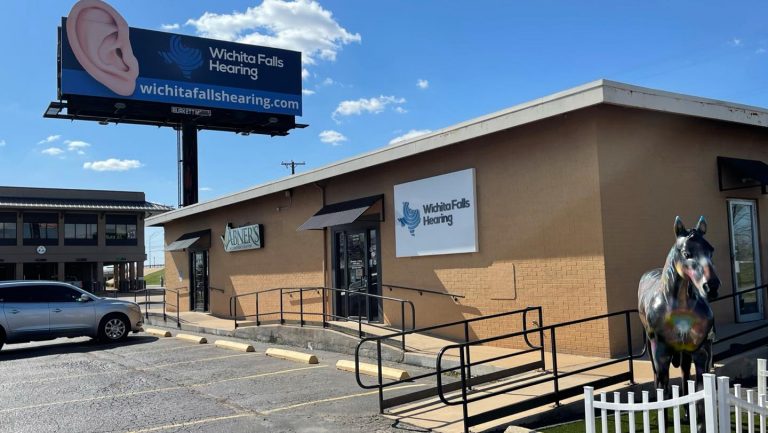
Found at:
<point>85,298</point>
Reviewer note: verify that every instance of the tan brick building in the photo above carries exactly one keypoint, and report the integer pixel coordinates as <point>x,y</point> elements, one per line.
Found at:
<point>575,197</point>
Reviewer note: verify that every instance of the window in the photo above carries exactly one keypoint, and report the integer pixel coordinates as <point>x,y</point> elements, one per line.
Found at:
<point>41,229</point>
<point>121,230</point>
<point>63,294</point>
<point>80,229</point>
<point>24,293</point>
<point>7,228</point>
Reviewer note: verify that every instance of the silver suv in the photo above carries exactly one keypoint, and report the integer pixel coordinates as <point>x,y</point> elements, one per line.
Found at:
<point>44,310</point>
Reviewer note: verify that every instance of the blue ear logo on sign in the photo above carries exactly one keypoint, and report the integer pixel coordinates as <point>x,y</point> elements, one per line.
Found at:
<point>410,218</point>
<point>186,58</point>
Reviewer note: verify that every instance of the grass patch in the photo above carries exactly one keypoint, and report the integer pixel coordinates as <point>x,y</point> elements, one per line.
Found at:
<point>153,279</point>
<point>580,426</point>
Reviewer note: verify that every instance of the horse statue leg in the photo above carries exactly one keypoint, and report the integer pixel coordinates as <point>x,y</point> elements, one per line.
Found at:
<point>702,359</point>
<point>685,366</point>
<point>661,358</point>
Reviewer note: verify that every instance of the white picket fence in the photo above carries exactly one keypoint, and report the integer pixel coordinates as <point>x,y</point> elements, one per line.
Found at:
<point>718,399</point>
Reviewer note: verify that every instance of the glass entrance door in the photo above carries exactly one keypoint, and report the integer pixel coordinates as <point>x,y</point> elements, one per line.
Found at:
<point>199,280</point>
<point>357,272</point>
<point>745,259</point>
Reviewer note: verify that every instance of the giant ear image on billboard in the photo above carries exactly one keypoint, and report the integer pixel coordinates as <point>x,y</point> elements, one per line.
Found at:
<point>101,56</point>
<point>98,37</point>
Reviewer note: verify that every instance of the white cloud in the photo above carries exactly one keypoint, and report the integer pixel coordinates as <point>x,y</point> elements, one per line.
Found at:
<point>760,51</point>
<point>2,143</point>
<point>301,25</point>
<point>400,110</point>
<point>53,151</point>
<point>308,92</point>
<point>304,73</point>
<point>332,137</point>
<point>362,105</point>
<point>422,84</point>
<point>206,189</point>
<point>77,146</point>
<point>112,164</point>
<point>413,133</point>
<point>735,42</point>
<point>49,139</point>
<point>174,26</point>
<point>328,82</point>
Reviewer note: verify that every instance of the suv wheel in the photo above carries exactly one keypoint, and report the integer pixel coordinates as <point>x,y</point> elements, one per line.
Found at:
<point>113,328</point>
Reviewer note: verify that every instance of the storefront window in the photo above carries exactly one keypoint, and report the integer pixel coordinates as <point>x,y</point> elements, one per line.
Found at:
<point>121,230</point>
<point>7,230</point>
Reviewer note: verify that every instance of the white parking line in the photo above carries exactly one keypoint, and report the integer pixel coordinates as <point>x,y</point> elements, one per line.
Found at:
<point>150,391</point>
<point>196,422</point>
<point>103,373</point>
<point>262,413</point>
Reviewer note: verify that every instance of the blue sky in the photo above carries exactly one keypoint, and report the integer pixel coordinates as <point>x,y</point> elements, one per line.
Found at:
<point>385,69</point>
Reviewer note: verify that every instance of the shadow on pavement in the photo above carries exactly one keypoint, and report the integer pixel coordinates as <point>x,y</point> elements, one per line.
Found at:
<point>24,351</point>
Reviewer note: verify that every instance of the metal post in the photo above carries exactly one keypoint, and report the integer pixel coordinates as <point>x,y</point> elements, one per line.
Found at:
<point>146,303</point>
<point>469,359</point>
<point>541,339</point>
<point>322,300</point>
<point>178,317</point>
<point>360,325</point>
<point>629,349</point>
<point>301,307</point>
<point>189,163</point>
<point>402,321</point>
<point>258,322</point>
<point>282,321</point>
<point>554,366</point>
<point>381,379</point>
<point>164,319</point>
<point>463,391</point>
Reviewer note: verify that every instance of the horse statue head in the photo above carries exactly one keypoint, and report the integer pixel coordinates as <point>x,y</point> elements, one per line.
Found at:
<point>692,258</point>
<point>673,303</point>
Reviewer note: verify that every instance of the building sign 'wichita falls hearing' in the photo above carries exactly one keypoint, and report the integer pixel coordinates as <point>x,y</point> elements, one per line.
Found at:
<point>437,215</point>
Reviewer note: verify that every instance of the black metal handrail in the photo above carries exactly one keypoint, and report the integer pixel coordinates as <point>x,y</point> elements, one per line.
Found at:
<point>555,397</point>
<point>380,385</point>
<point>325,315</point>
<point>149,302</point>
<point>422,291</point>
<point>719,340</point>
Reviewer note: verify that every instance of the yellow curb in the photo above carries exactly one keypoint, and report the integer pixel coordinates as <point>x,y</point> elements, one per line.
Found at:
<point>158,332</point>
<point>373,370</point>
<point>292,356</point>
<point>192,338</point>
<point>242,347</point>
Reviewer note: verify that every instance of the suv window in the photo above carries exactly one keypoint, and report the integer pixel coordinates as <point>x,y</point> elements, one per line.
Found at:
<point>24,293</point>
<point>62,294</point>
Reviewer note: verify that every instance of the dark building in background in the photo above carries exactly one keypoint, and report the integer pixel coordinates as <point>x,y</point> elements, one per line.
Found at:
<point>71,235</point>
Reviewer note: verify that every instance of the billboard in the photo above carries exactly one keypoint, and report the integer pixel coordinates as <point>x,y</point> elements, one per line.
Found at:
<point>100,56</point>
<point>437,215</point>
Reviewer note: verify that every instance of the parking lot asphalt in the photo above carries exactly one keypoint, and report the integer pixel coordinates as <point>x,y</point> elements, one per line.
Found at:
<point>149,384</point>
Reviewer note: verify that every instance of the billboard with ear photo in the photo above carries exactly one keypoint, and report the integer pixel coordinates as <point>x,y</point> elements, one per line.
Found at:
<point>101,56</point>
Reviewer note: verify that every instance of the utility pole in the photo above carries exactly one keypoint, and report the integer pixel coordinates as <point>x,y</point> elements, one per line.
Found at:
<point>293,165</point>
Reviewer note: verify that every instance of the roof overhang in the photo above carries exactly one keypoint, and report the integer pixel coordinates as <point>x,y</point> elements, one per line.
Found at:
<point>195,241</point>
<point>735,173</point>
<point>580,97</point>
<point>341,213</point>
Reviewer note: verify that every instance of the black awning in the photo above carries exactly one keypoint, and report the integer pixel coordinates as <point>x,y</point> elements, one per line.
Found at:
<point>195,241</point>
<point>735,173</point>
<point>340,213</point>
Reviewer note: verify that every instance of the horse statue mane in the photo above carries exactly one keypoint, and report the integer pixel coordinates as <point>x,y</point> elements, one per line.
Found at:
<point>674,308</point>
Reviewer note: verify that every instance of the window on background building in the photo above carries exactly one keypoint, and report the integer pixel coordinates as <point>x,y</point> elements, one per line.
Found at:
<point>121,230</point>
<point>41,229</point>
<point>7,228</point>
<point>80,229</point>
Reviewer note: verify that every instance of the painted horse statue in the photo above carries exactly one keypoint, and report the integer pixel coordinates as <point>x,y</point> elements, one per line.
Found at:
<point>674,308</point>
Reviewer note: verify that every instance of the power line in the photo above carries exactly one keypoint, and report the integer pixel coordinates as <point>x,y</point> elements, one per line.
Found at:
<point>293,165</point>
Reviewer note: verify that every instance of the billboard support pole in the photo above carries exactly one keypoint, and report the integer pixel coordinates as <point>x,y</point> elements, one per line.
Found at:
<point>189,163</point>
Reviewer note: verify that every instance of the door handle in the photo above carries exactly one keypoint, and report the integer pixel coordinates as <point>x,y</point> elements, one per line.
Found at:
<point>15,311</point>
<point>57,310</point>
